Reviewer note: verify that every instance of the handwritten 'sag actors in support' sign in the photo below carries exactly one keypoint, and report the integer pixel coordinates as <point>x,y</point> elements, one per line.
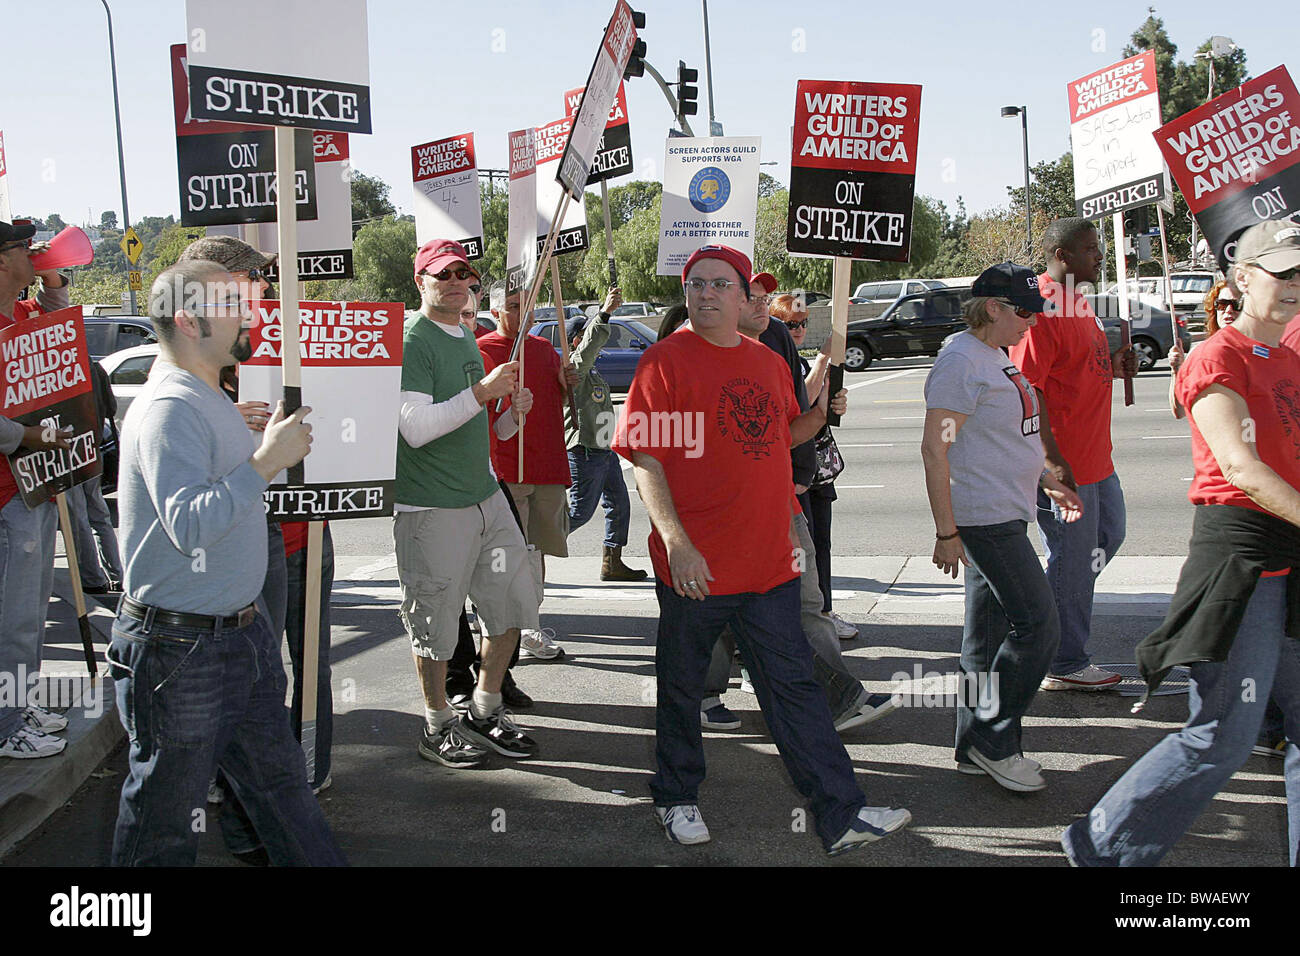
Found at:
<point>351,376</point>
<point>1235,158</point>
<point>853,169</point>
<point>1113,113</point>
<point>46,379</point>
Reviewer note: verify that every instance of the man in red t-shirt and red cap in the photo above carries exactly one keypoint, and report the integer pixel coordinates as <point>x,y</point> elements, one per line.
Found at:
<point>708,425</point>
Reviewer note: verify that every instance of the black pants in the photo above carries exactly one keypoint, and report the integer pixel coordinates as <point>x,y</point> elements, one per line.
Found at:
<point>464,661</point>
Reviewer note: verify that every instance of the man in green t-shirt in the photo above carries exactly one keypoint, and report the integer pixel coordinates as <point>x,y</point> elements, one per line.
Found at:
<point>454,532</point>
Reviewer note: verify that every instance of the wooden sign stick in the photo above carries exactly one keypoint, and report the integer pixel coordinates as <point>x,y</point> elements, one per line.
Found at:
<point>840,272</point>
<point>291,365</point>
<point>74,572</point>
<point>1169,279</point>
<point>1121,273</point>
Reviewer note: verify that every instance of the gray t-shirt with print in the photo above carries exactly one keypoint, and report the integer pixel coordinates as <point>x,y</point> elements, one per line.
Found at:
<point>997,458</point>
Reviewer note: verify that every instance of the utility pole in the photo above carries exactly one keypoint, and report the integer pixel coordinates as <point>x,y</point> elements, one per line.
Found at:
<point>117,118</point>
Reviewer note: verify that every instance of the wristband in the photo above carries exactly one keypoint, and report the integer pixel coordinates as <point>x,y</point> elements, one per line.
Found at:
<point>946,537</point>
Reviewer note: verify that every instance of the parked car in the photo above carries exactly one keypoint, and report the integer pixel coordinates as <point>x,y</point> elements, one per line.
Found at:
<point>892,290</point>
<point>618,360</point>
<point>638,309</point>
<point>543,313</point>
<point>128,370</point>
<point>809,297</point>
<point>1189,290</point>
<point>915,325</point>
<point>107,334</point>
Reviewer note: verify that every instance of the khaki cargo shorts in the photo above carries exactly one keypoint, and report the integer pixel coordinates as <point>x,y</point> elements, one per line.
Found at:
<point>446,554</point>
<point>544,513</point>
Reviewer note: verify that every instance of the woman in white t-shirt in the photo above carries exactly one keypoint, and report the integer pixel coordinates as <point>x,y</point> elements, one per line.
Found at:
<point>983,464</point>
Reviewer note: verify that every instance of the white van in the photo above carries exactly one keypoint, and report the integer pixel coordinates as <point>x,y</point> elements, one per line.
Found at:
<point>1189,290</point>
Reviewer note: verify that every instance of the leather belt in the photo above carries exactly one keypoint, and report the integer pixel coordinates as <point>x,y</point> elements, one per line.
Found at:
<point>147,613</point>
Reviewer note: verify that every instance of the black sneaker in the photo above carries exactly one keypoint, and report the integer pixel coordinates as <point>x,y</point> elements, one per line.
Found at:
<point>499,732</point>
<point>514,698</point>
<point>449,748</point>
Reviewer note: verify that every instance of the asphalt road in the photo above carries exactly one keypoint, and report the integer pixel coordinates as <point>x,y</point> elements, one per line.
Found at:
<point>583,800</point>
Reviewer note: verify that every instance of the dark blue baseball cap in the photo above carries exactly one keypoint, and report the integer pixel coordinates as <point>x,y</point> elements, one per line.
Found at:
<point>1006,280</point>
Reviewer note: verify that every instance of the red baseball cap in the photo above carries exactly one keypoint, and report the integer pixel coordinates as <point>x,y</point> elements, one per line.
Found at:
<point>437,254</point>
<point>765,281</point>
<point>732,257</point>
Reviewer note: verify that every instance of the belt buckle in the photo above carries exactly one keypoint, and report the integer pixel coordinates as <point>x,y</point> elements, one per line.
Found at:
<point>246,616</point>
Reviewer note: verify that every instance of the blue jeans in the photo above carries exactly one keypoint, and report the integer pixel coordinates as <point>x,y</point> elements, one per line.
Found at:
<point>1008,639</point>
<point>275,589</point>
<point>1076,554</point>
<point>780,667</point>
<point>1152,805</point>
<point>194,700</point>
<point>26,583</point>
<point>598,476</point>
<point>294,633</point>
<point>87,511</point>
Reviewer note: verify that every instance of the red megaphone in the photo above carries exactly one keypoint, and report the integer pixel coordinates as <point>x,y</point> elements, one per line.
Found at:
<point>71,247</point>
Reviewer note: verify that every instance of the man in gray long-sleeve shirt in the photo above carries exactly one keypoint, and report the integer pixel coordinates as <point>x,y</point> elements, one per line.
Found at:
<point>199,680</point>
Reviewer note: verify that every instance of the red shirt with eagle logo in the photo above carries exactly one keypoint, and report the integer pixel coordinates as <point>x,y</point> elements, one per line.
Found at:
<point>1268,378</point>
<point>718,421</point>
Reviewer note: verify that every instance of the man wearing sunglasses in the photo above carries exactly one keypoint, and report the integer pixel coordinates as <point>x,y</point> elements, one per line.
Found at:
<point>455,535</point>
<point>26,534</point>
<point>1067,359</point>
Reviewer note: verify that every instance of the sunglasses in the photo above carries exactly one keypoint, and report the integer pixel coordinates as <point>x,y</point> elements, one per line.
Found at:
<point>1286,275</point>
<point>13,245</point>
<point>1022,312</point>
<point>460,272</point>
<point>1222,304</point>
<point>797,325</point>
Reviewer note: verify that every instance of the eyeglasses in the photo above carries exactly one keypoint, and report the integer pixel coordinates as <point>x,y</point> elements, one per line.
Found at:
<point>1286,275</point>
<point>13,245</point>
<point>717,285</point>
<point>461,272</point>
<point>797,325</point>
<point>1222,304</point>
<point>1018,310</point>
<point>241,306</point>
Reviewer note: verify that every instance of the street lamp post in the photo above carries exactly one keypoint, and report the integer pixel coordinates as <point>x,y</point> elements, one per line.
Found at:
<point>1023,113</point>
<point>117,118</point>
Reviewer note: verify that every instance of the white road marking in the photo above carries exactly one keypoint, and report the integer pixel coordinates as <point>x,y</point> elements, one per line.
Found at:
<point>902,418</point>
<point>883,378</point>
<point>847,487</point>
<point>1159,437</point>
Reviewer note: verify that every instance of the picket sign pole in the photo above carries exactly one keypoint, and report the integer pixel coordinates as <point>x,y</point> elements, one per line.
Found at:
<point>1169,279</point>
<point>291,365</point>
<point>564,338</point>
<point>840,271</point>
<point>526,307</point>
<point>609,235</point>
<point>1121,275</point>
<point>74,572</point>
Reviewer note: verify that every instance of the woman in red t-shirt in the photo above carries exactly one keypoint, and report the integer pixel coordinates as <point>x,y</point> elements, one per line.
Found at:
<point>1228,617</point>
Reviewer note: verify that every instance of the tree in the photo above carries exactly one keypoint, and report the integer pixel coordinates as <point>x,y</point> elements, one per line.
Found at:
<point>768,185</point>
<point>108,219</point>
<point>369,200</point>
<point>55,223</point>
<point>1053,188</point>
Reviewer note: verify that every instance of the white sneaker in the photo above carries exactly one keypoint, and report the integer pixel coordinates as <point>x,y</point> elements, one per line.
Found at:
<point>875,707</point>
<point>539,644</point>
<point>1014,772</point>
<point>975,770</point>
<point>683,824</point>
<point>870,825</point>
<point>28,744</point>
<point>843,629</point>
<point>324,784</point>
<point>44,721</point>
<point>1090,678</point>
<point>215,793</point>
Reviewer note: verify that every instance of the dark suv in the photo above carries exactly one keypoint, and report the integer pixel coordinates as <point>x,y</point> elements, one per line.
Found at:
<point>914,325</point>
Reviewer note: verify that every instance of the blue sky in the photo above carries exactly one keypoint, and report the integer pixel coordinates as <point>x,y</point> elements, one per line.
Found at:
<point>438,69</point>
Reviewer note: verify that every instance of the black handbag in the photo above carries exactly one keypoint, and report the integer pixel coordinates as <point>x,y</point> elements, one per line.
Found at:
<point>829,460</point>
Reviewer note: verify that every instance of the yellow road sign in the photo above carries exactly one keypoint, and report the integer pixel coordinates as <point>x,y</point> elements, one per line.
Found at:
<point>132,247</point>
<point>133,279</point>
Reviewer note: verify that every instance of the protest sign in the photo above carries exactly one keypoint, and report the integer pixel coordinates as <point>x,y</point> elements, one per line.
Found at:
<point>1113,113</point>
<point>710,196</point>
<point>447,205</point>
<point>571,234</point>
<point>6,214</point>
<point>47,382</point>
<point>1235,158</point>
<point>324,243</point>
<point>280,64</point>
<point>614,151</point>
<point>601,88</point>
<point>227,170</point>
<point>853,169</point>
<point>521,226</point>
<point>351,377</point>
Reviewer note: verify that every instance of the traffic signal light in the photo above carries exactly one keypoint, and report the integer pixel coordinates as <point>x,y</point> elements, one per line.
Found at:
<point>687,93</point>
<point>1137,222</point>
<point>636,62</point>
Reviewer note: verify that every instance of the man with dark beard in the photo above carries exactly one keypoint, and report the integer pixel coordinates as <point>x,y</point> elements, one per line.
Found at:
<point>197,670</point>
